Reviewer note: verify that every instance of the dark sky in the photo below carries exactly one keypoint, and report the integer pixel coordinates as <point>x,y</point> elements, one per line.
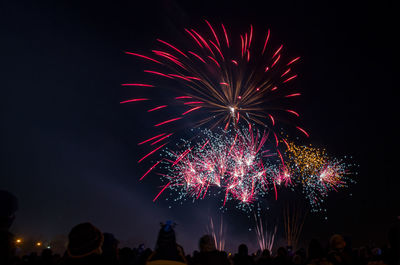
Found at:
<point>68,149</point>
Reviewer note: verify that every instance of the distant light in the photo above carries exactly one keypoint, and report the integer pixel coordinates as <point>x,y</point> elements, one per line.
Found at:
<point>19,240</point>
<point>48,246</point>
<point>38,244</point>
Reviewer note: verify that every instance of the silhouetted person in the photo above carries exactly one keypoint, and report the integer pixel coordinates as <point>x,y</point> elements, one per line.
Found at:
<point>242,257</point>
<point>126,256</point>
<point>265,258</point>
<point>300,257</point>
<point>8,207</point>
<point>364,255</point>
<point>167,250</point>
<point>282,257</point>
<point>56,259</point>
<point>208,254</point>
<point>316,254</point>
<point>394,242</point>
<point>33,259</point>
<point>337,254</point>
<point>46,258</point>
<point>143,256</point>
<point>110,249</point>
<point>84,245</point>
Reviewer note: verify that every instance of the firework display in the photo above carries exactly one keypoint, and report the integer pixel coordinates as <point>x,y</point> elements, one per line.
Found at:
<point>236,92</point>
<point>219,80</point>
<point>236,166</point>
<point>317,173</point>
<point>234,163</point>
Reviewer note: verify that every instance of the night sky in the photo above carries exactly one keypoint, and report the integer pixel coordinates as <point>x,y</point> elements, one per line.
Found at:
<point>69,149</point>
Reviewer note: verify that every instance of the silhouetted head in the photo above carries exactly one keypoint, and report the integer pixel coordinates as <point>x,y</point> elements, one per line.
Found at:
<point>206,243</point>
<point>47,255</point>
<point>84,240</point>
<point>296,259</point>
<point>125,254</point>
<point>243,250</point>
<point>8,207</point>
<point>110,246</point>
<point>282,252</point>
<point>141,248</point>
<point>301,252</point>
<point>266,253</point>
<point>337,242</point>
<point>315,249</point>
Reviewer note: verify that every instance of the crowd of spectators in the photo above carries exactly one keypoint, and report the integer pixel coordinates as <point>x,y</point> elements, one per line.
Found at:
<point>88,245</point>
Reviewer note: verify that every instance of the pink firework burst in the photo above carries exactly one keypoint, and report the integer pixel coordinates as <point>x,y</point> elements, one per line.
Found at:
<point>231,163</point>
<point>224,80</point>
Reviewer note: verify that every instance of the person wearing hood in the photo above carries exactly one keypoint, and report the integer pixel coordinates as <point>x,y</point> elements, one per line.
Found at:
<point>85,243</point>
<point>167,251</point>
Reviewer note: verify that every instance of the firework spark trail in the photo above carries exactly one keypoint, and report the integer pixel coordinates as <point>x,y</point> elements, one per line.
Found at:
<point>208,74</point>
<point>293,217</point>
<point>152,152</point>
<point>134,100</point>
<point>162,190</point>
<point>157,108</point>
<point>148,171</point>
<point>217,235</point>
<point>265,239</point>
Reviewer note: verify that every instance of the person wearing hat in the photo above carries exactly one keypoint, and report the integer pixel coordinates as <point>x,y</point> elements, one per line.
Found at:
<point>167,251</point>
<point>208,254</point>
<point>84,245</point>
